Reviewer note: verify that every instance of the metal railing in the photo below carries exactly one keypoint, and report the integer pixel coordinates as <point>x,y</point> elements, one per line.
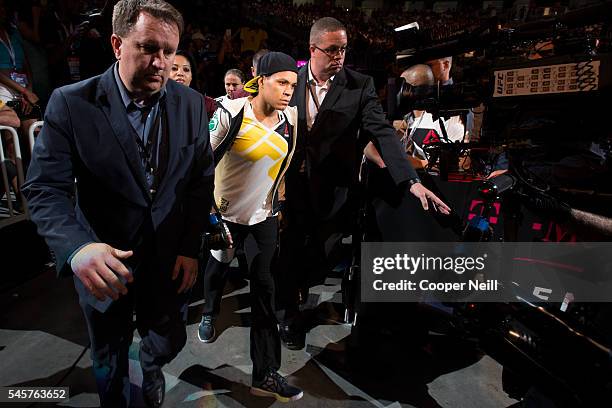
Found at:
<point>32,130</point>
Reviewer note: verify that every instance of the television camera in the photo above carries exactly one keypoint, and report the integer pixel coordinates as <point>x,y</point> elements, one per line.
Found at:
<point>546,87</point>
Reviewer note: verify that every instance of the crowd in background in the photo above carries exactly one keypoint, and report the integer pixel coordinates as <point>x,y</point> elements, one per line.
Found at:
<point>58,42</point>
<point>67,40</point>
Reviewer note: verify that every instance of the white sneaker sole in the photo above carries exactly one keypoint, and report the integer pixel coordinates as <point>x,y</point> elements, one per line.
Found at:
<point>263,393</point>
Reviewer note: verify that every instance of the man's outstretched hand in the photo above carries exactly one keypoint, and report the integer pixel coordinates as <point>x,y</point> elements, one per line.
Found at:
<point>425,195</point>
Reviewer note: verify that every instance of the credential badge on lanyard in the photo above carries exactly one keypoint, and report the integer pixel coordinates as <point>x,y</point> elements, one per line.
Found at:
<point>74,62</point>
<point>21,79</point>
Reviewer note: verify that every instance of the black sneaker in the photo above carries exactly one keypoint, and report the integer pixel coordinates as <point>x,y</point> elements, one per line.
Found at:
<point>206,330</point>
<point>275,385</point>
<point>291,337</point>
<point>153,388</point>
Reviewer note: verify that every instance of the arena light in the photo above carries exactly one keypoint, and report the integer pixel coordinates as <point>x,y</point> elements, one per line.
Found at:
<point>407,39</point>
<point>413,25</point>
<point>405,54</point>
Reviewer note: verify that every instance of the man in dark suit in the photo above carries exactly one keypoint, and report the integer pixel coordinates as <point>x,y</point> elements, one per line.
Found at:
<point>139,150</point>
<point>339,112</point>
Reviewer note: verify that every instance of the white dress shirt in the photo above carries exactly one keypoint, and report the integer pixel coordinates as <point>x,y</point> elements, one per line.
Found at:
<point>320,92</point>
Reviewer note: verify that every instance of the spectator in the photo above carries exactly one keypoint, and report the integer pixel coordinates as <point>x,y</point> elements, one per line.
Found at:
<point>441,70</point>
<point>182,72</point>
<point>202,47</point>
<point>61,33</point>
<point>229,53</point>
<point>252,38</point>
<point>234,82</point>
<point>29,13</point>
<point>15,74</point>
<point>256,59</point>
<point>8,117</point>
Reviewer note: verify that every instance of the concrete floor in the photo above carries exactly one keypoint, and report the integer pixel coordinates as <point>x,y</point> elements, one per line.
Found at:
<point>43,343</point>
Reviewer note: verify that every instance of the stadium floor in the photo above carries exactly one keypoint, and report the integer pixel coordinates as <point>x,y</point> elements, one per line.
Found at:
<point>43,342</point>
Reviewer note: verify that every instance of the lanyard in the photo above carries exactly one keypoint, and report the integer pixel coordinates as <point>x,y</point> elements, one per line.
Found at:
<point>314,96</point>
<point>409,133</point>
<point>147,150</point>
<point>9,48</point>
<point>415,126</point>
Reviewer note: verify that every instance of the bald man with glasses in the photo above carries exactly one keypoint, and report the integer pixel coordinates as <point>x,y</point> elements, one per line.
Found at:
<point>339,113</point>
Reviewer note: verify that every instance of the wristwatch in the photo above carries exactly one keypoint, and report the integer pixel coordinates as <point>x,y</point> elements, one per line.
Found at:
<point>413,181</point>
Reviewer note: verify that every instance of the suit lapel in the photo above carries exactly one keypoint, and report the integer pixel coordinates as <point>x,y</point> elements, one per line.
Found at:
<point>332,96</point>
<point>300,93</point>
<point>112,105</point>
<point>174,128</point>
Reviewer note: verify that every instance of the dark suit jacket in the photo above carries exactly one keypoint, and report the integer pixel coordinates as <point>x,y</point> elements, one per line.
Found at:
<point>88,137</point>
<point>349,117</point>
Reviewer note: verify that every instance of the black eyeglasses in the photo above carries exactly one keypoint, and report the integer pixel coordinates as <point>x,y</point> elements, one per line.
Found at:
<point>333,51</point>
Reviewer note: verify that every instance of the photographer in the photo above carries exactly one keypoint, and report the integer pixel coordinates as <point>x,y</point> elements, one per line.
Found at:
<point>418,127</point>
<point>397,215</point>
<point>75,40</point>
<point>441,68</point>
<point>253,140</point>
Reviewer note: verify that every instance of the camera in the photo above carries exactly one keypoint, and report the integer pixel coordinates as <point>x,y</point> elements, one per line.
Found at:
<point>15,104</point>
<point>218,237</point>
<point>544,121</point>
